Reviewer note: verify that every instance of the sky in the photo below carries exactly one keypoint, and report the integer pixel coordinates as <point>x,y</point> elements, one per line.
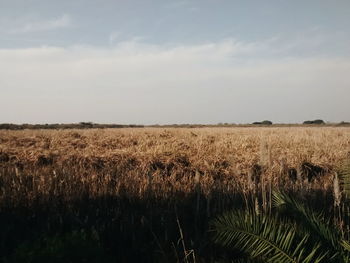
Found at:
<point>168,61</point>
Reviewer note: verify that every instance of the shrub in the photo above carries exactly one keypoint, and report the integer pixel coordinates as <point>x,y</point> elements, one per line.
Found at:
<point>265,122</point>
<point>72,247</point>
<point>318,121</point>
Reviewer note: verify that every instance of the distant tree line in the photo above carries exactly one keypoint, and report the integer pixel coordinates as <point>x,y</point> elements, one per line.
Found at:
<point>81,125</point>
<point>91,125</point>
<point>314,122</point>
<point>266,122</point>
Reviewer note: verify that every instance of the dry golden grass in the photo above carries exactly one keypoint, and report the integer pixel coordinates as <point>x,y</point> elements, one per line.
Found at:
<point>166,161</point>
<point>132,186</point>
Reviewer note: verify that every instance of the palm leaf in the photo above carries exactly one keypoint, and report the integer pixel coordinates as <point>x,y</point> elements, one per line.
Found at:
<point>264,237</point>
<point>308,221</point>
<point>346,246</point>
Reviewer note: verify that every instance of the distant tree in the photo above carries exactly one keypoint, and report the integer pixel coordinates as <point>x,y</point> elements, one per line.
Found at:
<point>308,122</point>
<point>266,122</point>
<point>86,124</point>
<point>318,121</point>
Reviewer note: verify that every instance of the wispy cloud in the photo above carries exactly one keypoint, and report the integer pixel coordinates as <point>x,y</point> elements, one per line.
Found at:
<point>184,4</point>
<point>135,82</point>
<point>177,4</point>
<point>44,25</point>
<point>114,36</point>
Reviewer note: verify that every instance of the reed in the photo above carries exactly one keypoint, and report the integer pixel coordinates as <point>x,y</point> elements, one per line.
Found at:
<point>134,186</point>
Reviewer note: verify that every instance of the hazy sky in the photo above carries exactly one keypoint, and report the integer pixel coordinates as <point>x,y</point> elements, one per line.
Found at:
<point>169,61</point>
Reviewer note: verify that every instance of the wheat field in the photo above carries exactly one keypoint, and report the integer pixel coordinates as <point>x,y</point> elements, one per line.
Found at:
<point>167,160</point>
<point>138,191</point>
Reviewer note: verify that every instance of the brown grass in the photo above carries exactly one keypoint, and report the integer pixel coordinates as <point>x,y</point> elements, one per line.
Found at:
<point>135,186</point>
<point>165,161</point>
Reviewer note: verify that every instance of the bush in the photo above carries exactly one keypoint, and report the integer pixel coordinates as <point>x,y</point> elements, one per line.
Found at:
<point>266,122</point>
<point>318,121</point>
<point>68,248</point>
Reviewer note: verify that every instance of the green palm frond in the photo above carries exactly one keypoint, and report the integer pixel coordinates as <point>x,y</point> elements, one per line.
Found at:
<point>316,224</point>
<point>346,245</point>
<point>246,260</point>
<point>265,238</point>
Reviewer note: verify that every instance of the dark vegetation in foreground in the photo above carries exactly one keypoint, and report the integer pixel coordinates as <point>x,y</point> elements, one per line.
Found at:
<point>70,224</point>
<point>68,221</point>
